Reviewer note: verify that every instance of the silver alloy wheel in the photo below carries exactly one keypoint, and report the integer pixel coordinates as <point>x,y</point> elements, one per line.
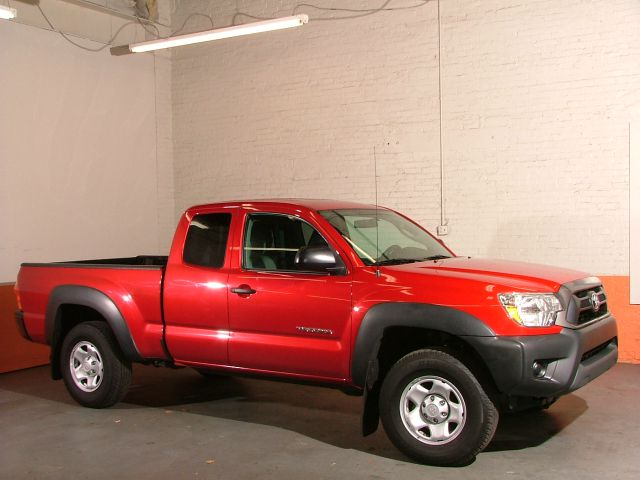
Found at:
<point>86,366</point>
<point>432,410</point>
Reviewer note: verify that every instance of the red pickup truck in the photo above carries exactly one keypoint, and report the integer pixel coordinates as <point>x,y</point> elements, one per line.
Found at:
<point>342,294</point>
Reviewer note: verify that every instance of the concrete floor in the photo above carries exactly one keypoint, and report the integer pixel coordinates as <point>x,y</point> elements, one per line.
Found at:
<point>175,424</point>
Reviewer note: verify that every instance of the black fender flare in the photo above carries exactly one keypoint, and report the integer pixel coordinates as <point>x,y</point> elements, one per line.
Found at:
<point>98,301</point>
<point>364,365</point>
<point>405,314</point>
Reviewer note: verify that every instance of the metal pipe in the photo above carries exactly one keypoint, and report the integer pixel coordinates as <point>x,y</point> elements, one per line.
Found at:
<point>443,220</point>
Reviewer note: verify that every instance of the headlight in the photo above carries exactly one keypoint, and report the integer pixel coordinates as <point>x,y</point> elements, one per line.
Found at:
<point>531,309</point>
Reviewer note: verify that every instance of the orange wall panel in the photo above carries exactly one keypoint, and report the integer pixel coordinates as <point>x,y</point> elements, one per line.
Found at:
<point>628,317</point>
<point>15,352</point>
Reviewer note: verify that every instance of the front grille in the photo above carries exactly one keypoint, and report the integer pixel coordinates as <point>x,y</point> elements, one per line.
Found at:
<point>586,303</point>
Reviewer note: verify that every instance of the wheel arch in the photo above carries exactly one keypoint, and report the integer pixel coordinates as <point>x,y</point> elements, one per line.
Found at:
<point>70,305</point>
<point>385,317</point>
<point>391,330</point>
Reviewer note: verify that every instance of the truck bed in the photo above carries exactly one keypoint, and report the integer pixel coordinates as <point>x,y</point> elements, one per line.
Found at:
<point>134,284</point>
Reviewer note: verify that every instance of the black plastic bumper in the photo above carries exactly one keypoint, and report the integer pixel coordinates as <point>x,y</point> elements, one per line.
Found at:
<point>19,317</point>
<point>573,358</point>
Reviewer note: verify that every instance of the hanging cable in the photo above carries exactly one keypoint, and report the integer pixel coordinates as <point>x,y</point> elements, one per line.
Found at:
<point>66,37</point>
<point>358,13</point>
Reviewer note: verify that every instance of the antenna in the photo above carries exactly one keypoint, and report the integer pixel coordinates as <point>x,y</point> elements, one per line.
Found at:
<point>375,182</point>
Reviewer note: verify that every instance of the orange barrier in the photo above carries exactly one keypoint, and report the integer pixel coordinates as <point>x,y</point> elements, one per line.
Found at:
<point>15,352</point>
<point>628,317</point>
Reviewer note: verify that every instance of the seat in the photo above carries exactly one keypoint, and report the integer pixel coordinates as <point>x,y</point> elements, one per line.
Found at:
<point>260,238</point>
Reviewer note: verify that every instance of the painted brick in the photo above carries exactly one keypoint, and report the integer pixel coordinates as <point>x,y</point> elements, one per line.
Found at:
<point>536,99</point>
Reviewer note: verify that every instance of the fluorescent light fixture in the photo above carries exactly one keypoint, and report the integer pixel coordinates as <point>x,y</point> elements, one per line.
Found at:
<point>220,33</point>
<point>7,13</point>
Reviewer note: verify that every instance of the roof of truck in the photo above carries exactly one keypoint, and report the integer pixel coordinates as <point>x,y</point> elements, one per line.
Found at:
<point>312,204</point>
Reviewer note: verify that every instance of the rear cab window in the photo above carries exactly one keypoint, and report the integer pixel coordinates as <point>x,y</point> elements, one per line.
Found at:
<point>207,238</point>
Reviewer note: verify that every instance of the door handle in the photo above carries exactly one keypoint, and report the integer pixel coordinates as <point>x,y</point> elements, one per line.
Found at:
<point>243,290</point>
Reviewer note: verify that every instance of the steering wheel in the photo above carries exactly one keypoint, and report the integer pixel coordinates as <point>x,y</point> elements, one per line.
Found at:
<point>391,252</point>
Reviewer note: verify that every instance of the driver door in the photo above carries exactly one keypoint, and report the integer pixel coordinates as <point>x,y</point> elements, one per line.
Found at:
<point>281,319</point>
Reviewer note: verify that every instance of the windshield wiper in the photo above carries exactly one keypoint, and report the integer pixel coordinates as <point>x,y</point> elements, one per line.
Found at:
<point>400,261</point>
<point>436,257</point>
<point>397,261</point>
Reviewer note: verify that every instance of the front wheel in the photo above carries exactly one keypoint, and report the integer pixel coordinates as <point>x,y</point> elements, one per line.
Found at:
<point>93,368</point>
<point>435,410</point>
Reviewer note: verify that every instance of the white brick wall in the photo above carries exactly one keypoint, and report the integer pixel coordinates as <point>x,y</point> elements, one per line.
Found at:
<point>537,98</point>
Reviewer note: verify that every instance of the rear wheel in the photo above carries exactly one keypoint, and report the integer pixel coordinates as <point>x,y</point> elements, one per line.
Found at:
<point>435,410</point>
<point>94,370</point>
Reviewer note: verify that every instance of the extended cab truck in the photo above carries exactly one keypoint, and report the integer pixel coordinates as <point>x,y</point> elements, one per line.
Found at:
<point>337,293</point>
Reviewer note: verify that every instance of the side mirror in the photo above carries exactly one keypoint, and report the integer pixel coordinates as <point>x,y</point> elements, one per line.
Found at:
<point>319,259</point>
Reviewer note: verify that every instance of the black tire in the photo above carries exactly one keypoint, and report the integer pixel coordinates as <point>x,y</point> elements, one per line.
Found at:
<point>451,442</point>
<point>107,371</point>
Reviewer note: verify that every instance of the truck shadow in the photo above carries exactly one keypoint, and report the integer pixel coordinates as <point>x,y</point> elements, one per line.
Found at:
<point>530,429</point>
<point>323,414</point>
<point>318,413</point>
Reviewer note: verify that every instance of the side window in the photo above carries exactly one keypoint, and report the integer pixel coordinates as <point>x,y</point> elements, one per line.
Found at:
<point>271,241</point>
<point>206,241</point>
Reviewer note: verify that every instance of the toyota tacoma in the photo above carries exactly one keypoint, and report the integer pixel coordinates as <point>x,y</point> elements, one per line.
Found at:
<point>341,294</point>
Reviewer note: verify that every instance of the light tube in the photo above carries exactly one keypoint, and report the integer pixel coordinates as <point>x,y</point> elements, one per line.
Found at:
<point>220,33</point>
<point>7,13</point>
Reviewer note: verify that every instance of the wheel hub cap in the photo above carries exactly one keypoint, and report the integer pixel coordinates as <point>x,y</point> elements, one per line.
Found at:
<point>435,409</point>
<point>86,366</point>
<point>432,410</point>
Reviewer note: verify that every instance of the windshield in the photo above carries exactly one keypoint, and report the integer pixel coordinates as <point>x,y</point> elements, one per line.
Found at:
<point>398,240</point>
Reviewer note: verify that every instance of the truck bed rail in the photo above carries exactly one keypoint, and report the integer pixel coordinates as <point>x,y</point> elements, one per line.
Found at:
<point>146,262</point>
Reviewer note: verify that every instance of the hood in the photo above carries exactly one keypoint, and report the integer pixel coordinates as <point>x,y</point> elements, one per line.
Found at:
<point>517,275</point>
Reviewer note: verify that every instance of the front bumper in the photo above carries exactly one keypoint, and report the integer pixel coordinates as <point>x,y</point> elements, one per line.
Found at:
<point>573,357</point>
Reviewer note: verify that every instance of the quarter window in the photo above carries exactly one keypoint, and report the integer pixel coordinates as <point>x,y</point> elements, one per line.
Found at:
<point>206,241</point>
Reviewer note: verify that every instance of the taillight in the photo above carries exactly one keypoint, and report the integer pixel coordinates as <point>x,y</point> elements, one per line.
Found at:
<point>18,300</point>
